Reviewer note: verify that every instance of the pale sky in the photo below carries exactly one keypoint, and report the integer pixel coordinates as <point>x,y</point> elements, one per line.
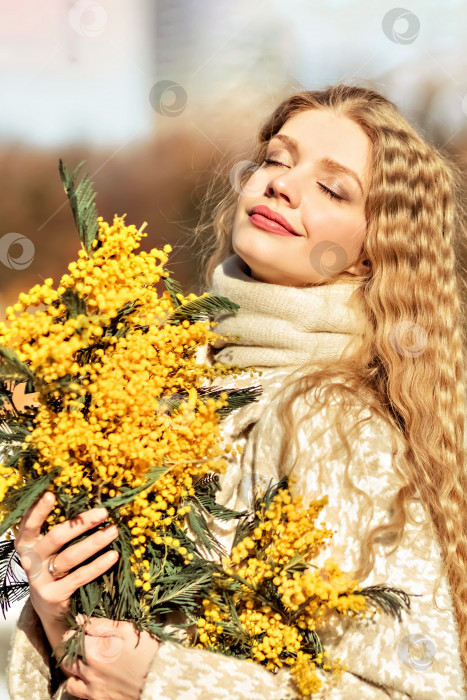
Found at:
<point>82,70</point>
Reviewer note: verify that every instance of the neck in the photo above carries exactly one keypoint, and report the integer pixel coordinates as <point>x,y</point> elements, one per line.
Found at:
<point>277,325</point>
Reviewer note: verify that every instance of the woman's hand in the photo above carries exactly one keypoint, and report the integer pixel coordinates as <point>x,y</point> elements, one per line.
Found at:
<point>50,596</point>
<point>116,664</point>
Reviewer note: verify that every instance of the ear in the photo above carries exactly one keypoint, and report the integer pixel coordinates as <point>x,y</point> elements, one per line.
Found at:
<point>361,267</point>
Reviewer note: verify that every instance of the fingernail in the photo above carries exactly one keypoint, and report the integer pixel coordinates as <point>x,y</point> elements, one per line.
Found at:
<point>49,498</point>
<point>101,512</point>
<point>113,532</point>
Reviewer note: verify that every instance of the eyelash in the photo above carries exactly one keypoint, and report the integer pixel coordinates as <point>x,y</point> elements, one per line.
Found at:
<point>329,193</point>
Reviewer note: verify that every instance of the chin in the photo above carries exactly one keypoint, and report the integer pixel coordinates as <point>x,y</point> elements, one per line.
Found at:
<point>254,255</point>
<point>270,278</point>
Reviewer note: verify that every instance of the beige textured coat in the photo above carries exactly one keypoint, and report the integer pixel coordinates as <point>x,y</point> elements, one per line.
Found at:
<point>416,658</point>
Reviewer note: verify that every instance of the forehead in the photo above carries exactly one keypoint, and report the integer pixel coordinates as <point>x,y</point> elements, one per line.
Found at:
<point>322,134</point>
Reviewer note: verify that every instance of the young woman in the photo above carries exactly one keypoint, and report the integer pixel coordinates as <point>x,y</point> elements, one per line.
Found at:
<point>341,246</point>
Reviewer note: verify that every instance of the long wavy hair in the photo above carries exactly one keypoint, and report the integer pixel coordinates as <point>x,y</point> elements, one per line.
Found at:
<point>414,245</point>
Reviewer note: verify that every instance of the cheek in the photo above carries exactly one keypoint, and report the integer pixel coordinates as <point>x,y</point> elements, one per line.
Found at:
<point>334,241</point>
<point>326,257</point>
<point>237,218</point>
<point>356,233</point>
<point>345,227</point>
<point>253,187</point>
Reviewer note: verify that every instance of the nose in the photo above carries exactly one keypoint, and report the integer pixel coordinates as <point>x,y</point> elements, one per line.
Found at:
<point>282,187</point>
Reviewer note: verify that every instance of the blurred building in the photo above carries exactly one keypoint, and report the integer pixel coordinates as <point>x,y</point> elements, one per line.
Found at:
<point>73,71</point>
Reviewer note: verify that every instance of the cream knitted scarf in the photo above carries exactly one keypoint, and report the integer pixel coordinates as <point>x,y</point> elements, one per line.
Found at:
<point>279,325</point>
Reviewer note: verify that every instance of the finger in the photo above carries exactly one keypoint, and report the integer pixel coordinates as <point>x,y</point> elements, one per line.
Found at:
<point>104,650</point>
<point>99,650</point>
<point>75,686</point>
<point>101,627</point>
<point>62,533</point>
<point>76,554</point>
<point>74,669</point>
<point>89,572</point>
<point>33,519</point>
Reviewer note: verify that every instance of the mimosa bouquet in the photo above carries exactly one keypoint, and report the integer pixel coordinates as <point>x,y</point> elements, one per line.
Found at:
<point>268,599</point>
<point>126,418</point>
<point>121,420</point>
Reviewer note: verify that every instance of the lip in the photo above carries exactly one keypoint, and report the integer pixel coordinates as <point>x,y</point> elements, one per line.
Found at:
<point>263,217</point>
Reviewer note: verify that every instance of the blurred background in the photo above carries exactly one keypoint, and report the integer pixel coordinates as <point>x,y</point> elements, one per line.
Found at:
<point>155,95</point>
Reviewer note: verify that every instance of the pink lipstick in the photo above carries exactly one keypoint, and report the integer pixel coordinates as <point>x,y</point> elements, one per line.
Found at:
<point>268,225</point>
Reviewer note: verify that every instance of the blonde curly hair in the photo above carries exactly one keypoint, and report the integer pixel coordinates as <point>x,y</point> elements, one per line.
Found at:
<point>415,241</point>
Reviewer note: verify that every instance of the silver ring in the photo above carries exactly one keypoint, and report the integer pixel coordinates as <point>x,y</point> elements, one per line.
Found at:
<point>52,570</point>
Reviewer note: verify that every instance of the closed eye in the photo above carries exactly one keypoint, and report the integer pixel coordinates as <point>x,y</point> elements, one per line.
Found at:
<point>329,193</point>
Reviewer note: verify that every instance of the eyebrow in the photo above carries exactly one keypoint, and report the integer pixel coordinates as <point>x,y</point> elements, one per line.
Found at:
<point>328,163</point>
